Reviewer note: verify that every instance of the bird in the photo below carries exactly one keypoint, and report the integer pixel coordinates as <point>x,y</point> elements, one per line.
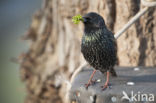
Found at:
<point>98,46</point>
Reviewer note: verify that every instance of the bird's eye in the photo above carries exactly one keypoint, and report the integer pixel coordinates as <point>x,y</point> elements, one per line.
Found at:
<point>88,18</point>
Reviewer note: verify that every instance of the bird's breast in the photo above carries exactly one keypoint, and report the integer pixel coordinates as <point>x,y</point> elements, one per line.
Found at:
<point>91,44</point>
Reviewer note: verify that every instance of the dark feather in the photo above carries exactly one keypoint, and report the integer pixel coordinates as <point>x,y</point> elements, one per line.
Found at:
<point>98,44</point>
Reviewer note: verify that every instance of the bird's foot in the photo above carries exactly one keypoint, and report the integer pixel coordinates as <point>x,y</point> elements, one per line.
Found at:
<point>90,83</point>
<point>106,86</point>
<point>90,80</point>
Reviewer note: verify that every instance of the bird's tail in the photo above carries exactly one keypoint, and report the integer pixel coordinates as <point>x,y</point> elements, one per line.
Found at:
<point>113,72</point>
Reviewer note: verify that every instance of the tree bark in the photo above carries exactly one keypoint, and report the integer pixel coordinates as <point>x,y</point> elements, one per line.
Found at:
<point>54,52</point>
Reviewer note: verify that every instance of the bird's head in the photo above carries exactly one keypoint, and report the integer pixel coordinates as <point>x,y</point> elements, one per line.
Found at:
<point>93,20</point>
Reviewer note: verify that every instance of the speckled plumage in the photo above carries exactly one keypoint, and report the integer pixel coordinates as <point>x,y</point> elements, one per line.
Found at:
<point>98,44</point>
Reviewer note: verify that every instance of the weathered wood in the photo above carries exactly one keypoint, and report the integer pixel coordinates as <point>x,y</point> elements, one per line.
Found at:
<point>144,80</point>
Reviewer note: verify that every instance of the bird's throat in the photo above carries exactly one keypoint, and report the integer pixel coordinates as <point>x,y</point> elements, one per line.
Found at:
<point>91,36</point>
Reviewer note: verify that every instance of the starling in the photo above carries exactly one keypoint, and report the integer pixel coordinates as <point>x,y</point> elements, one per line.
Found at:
<point>98,46</point>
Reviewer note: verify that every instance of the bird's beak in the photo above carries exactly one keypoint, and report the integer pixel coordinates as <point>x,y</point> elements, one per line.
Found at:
<point>84,19</point>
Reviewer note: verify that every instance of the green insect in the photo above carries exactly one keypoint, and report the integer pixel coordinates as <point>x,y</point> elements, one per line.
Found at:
<point>77,19</point>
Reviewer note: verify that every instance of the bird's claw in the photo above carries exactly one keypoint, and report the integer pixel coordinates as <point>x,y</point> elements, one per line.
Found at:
<point>87,85</point>
<point>106,86</point>
<point>90,83</point>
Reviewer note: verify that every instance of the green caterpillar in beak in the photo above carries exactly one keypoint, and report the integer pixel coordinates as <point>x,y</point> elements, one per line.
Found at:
<point>77,19</point>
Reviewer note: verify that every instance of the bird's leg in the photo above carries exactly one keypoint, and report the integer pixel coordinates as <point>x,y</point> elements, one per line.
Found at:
<point>107,82</point>
<point>90,81</point>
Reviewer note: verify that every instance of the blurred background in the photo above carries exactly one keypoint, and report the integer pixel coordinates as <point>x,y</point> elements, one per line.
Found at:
<point>15,18</point>
<point>53,47</point>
